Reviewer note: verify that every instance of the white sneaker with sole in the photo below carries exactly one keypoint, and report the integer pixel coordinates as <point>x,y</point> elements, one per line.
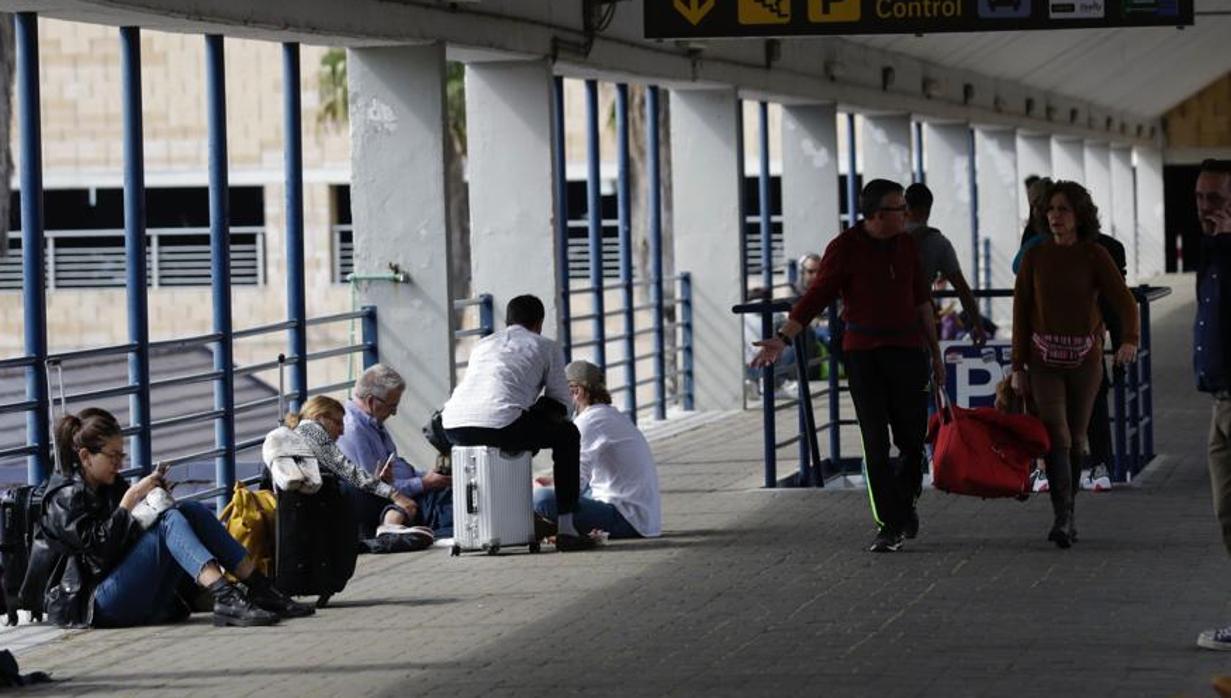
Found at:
<point>1217,639</point>
<point>1100,479</point>
<point>1038,482</point>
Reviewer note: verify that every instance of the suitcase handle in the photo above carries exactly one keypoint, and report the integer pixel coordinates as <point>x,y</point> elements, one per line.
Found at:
<point>471,505</point>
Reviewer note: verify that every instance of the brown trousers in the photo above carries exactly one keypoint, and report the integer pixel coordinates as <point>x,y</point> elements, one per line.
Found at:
<point>1065,398</point>
<point>1220,466</point>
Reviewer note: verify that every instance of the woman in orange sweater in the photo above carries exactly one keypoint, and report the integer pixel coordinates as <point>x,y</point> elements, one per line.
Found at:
<point>1058,336</point>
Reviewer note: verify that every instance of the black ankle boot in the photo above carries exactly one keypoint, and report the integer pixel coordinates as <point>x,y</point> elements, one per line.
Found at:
<point>232,607</point>
<point>262,592</point>
<point>1060,488</point>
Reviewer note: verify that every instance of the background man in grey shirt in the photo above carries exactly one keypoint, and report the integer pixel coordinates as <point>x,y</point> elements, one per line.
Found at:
<point>938,257</point>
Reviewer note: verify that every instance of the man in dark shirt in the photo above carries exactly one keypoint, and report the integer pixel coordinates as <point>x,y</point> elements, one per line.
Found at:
<point>874,267</point>
<point>1212,345</point>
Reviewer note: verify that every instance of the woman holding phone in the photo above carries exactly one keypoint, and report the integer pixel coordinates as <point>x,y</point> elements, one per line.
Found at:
<point>319,424</point>
<point>109,572</point>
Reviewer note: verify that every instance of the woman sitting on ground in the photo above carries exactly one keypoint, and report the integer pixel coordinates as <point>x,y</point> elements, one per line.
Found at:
<point>617,467</point>
<point>319,424</point>
<point>113,573</point>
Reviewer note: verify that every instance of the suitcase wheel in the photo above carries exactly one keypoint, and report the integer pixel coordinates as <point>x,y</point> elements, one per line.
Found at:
<point>535,547</point>
<point>455,551</point>
<point>493,549</point>
<point>323,600</point>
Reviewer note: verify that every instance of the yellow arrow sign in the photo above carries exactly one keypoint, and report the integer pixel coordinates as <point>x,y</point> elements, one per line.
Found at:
<point>694,10</point>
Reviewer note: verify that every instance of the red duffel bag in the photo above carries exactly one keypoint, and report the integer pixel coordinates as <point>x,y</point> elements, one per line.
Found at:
<point>982,451</point>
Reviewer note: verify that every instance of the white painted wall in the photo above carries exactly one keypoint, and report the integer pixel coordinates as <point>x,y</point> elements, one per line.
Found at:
<point>1151,256</point>
<point>1124,205</point>
<point>999,217</point>
<point>947,160</point>
<point>1068,159</point>
<point>886,148</point>
<point>810,203</point>
<point>397,120</point>
<point>706,193</point>
<point>1097,158</point>
<point>1033,158</point>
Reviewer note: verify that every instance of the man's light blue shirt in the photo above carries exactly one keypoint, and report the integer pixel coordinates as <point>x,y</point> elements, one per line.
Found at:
<point>366,442</point>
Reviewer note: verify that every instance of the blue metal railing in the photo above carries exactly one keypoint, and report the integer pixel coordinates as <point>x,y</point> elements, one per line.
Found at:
<point>1132,415</point>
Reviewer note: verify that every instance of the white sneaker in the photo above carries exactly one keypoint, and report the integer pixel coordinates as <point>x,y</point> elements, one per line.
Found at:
<point>1038,482</point>
<point>395,529</point>
<point>1217,639</point>
<point>1084,481</point>
<point>1100,479</point>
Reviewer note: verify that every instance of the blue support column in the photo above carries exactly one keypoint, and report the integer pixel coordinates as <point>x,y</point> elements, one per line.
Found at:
<point>626,252</point>
<point>834,401</point>
<point>852,185</point>
<point>1146,366</point>
<point>917,147</point>
<point>594,214</point>
<point>767,237</point>
<point>768,422</point>
<point>33,268</point>
<point>371,354</point>
<point>973,173</point>
<point>220,263</point>
<point>135,246</point>
<point>654,190</point>
<point>686,337</point>
<point>566,329</point>
<point>296,303</point>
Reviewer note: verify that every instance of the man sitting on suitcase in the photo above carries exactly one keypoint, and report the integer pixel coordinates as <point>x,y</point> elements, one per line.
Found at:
<point>498,404</point>
<point>366,441</point>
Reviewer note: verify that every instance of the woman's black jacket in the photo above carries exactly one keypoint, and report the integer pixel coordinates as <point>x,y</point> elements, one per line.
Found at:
<point>86,534</point>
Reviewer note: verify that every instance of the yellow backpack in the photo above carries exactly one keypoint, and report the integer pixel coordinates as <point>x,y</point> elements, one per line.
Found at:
<point>250,518</point>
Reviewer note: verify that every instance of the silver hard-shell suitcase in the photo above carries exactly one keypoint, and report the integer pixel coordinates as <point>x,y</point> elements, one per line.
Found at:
<point>493,504</point>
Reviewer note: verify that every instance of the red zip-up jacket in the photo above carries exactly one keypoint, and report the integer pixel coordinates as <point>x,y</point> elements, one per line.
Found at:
<point>881,285</point>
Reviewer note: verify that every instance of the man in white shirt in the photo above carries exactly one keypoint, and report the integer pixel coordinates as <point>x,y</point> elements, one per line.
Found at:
<point>498,404</point>
<point>616,464</point>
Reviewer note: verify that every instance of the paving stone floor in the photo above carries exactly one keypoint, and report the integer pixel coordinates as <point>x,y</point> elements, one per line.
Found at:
<point>757,593</point>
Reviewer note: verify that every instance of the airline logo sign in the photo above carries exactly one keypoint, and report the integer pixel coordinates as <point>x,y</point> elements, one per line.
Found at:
<point>685,19</point>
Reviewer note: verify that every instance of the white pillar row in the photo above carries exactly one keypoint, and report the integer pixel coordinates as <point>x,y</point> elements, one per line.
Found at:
<point>706,211</point>
<point>509,130</point>
<point>1033,158</point>
<point>398,204</point>
<point>1151,240</point>
<point>886,148</point>
<point>947,160</point>
<point>1123,204</point>
<point>1068,159</point>
<point>998,185</point>
<point>810,207</point>
<point>1097,158</point>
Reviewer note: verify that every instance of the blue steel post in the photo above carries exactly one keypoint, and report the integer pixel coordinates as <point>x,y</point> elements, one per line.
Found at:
<point>1120,428</point>
<point>792,274</point>
<point>972,170</point>
<point>920,175</point>
<point>486,319</point>
<point>654,189</point>
<point>296,303</point>
<point>686,339</point>
<point>987,276</point>
<point>767,246</point>
<point>852,184</point>
<point>1135,451</point>
<point>220,264</point>
<point>1147,369</point>
<point>770,435</point>
<point>371,352</point>
<point>561,211</point>
<point>626,252</point>
<point>835,413</point>
<point>134,247</point>
<point>33,269</point>
<point>594,215</point>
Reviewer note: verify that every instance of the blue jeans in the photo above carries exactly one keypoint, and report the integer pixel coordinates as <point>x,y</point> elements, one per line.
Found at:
<point>435,510</point>
<point>590,514</point>
<point>141,589</point>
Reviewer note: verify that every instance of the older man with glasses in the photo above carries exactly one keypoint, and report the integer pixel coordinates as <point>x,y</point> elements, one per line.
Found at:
<point>366,441</point>
<point>875,269</point>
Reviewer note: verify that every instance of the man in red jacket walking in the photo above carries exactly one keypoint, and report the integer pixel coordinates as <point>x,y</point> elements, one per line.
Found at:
<point>876,270</point>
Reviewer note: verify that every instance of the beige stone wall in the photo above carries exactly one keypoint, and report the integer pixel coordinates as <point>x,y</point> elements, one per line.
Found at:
<point>82,148</point>
<point>1203,120</point>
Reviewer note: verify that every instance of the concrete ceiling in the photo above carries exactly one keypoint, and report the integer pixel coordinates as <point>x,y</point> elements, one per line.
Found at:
<point>1142,70</point>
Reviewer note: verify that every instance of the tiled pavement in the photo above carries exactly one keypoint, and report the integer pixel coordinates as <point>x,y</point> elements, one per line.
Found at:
<point>755,592</point>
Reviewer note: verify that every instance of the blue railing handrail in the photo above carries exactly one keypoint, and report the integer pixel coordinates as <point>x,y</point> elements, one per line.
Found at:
<point>1132,419</point>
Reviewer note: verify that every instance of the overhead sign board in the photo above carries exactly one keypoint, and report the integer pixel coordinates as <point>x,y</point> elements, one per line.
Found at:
<point>687,19</point>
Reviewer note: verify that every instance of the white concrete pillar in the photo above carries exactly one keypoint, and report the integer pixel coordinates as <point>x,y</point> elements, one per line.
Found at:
<point>947,160</point>
<point>509,127</point>
<point>400,213</point>
<point>1151,239</point>
<point>886,148</point>
<point>1068,159</point>
<point>810,206</point>
<point>706,193</point>
<point>1033,158</point>
<point>998,187</point>
<point>1123,203</point>
<point>1097,158</point>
